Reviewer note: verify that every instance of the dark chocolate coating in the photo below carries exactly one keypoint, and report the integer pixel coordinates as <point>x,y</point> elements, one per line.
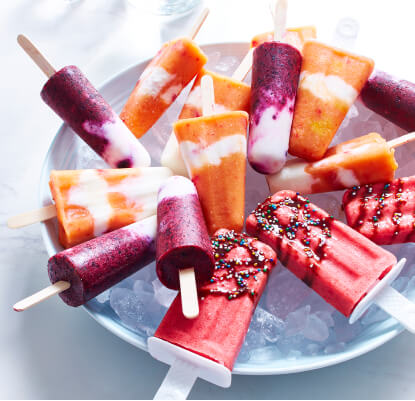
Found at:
<point>98,264</point>
<point>182,241</point>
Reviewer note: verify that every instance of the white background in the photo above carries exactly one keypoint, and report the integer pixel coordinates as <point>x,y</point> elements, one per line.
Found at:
<point>54,351</point>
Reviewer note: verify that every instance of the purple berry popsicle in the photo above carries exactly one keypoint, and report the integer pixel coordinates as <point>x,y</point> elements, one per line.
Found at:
<point>69,93</point>
<point>182,236</point>
<point>81,273</point>
<point>275,74</point>
<point>390,97</point>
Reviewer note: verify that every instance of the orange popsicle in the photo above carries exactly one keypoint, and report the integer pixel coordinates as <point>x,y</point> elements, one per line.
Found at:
<point>230,95</point>
<point>363,160</point>
<point>330,81</point>
<point>92,202</point>
<point>214,151</point>
<point>174,66</point>
<point>295,37</point>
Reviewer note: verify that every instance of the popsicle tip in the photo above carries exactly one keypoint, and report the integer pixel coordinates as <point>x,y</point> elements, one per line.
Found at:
<point>18,307</point>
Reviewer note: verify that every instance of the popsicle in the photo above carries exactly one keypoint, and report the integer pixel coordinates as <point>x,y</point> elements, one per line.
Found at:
<point>184,254</point>
<point>330,81</point>
<point>92,202</point>
<point>295,37</point>
<point>362,160</point>
<point>345,268</point>
<point>275,74</point>
<point>69,93</point>
<point>390,97</point>
<point>384,212</point>
<point>230,95</point>
<point>214,150</point>
<point>81,273</point>
<point>173,67</point>
<point>209,345</point>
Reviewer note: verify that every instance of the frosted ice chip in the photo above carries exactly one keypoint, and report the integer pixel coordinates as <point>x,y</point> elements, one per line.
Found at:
<point>269,325</point>
<point>103,297</point>
<point>297,321</point>
<point>285,293</point>
<point>137,311</point>
<point>269,353</point>
<point>142,286</point>
<point>373,315</point>
<point>313,349</point>
<point>254,339</point>
<point>244,355</point>
<point>334,348</point>
<point>316,329</point>
<point>163,295</point>
<point>294,354</point>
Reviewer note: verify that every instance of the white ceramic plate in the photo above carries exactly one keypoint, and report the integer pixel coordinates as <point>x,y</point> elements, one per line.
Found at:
<point>68,152</point>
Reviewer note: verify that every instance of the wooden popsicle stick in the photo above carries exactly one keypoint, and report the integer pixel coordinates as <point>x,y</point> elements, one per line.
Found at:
<point>242,71</point>
<point>402,140</point>
<point>280,19</point>
<point>41,296</point>
<point>34,216</point>
<point>198,24</point>
<point>188,293</point>
<point>188,289</point>
<point>208,95</point>
<point>35,55</point>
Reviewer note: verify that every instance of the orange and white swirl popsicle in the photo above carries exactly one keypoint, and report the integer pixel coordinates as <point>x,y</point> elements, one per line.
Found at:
<point>214,151</point>
<point>330,81</point>
<point>295,37</point>
<point>230,95</point>
<point>174,66</point>
<point>90,203</point>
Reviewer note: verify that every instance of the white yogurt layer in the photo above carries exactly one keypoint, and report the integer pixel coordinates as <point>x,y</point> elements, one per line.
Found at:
<point>153,80</point>
<point>328,87</point>
<point>197,156</point>
<point>146,228</point>
<point>122,144</point>
<point>172,158</point>
<point>195,99</point>
<point>171,93</point>
<point>293,176</point>
<point>176,186</point>
<point>92,193</point>
<point>268,141</point>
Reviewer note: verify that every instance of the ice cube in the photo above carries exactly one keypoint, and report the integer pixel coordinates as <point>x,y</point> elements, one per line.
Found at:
<point>103,297</point>
<point>163,295</point>
<point>326,317</point>
<point>312,349</point>
<point>373,315</point>
<point>263,354</point>
<point>269,325</point>
<point>334,348</point>
<point>285,293</point>
<point>142,286</point>
<point>254,339</point>
<point>86,158</point>
<point>409,290</point>
<point>244,355</point>
<point>294,354</point>
<point>297,321</point>
<point>139,312</point>
<point>315,329</point>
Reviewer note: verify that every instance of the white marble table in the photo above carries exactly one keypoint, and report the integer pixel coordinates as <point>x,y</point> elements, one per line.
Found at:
<point>58,352</point>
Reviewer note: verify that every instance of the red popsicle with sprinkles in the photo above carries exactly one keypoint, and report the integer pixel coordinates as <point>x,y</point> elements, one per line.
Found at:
<point>208,346</point>
<point>345,268</point>
<point>383,212</point>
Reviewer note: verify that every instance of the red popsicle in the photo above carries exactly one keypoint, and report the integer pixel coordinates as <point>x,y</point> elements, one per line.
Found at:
<point>384,212</point>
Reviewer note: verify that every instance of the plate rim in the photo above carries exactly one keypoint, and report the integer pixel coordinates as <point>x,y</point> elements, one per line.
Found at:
<point>132,338</point>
